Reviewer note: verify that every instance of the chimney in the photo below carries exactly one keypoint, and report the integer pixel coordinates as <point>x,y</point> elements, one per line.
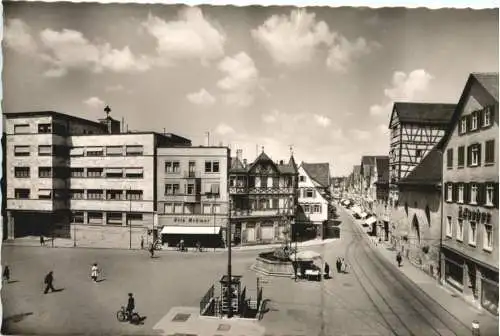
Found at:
<point>239,154</point>
<point>245,163</point>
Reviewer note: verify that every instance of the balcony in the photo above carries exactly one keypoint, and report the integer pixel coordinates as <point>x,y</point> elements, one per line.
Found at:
<point>243,213</point>
<point>183,198</point>
<point>192,174</point>
<point>262,190</point>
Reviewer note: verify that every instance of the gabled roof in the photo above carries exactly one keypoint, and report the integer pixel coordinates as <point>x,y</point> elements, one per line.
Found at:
<point>368,162</point>
<point>319,172</point>
<point>488,81</point>
<point>423,113</point>
<point>382,163</point>
<point>261,158</point>
<point>429,171</point>
<point>237,165</point>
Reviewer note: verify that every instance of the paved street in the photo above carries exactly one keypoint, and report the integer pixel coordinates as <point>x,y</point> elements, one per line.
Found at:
<point>373,299</point>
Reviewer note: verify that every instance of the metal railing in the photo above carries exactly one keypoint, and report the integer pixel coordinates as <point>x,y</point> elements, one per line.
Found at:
<point>206,300</point>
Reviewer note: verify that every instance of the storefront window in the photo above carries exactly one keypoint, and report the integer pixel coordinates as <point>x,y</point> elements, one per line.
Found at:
<point>489,296</point>
<point>454,274</point>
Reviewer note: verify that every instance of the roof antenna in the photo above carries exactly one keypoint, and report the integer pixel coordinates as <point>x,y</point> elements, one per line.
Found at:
<point>291,149</point>
<point>262,149</point>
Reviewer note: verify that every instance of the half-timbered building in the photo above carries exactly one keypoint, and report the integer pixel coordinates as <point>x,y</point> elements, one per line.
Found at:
<point>263,197</point>
<point>470,208</point>
<point>415,129</point>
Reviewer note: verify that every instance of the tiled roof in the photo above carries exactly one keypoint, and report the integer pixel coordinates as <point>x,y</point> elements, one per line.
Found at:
<point>429,171</point>
<point>285,168</point>
<point>383,169</point>
<point>319,172</point>
<point>368,163</point>
<point>489,81</point>
<point>237,165</point>
<point>424,112</point>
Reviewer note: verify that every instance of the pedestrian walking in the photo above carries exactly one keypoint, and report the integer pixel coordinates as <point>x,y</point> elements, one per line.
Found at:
<point>399,259</point>
<point>42,241</point>
<point>142,243</point>
<point>327,271</point>
<point>339,265</point>
<point>94,272</point>
<point>152,250</point>
<point>49,279</point>
<point>6,273</point>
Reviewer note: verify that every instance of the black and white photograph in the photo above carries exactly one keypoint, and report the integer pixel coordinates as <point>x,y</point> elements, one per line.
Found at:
<point>208,170</point>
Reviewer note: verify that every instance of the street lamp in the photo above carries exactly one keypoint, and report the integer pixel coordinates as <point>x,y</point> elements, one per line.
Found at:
<point>130,217</point>
<point>229,270</point>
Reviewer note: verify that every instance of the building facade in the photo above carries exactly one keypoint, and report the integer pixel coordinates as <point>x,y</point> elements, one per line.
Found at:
<point>313,201</point>
<point>263,197</point>
<point>415,129</point>
<point>417,218</point>
<point>369,176</point>
<point>470,209</point>
<point>73,178</point>
<point>192,193</point>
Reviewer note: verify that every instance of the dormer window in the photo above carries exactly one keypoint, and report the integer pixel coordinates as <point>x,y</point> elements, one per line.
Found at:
<point>487,117</point>
<point>473,122</point>
<point>463,126</point>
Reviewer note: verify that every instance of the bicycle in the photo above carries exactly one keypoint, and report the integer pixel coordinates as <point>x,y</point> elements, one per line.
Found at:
<point>123,315</point>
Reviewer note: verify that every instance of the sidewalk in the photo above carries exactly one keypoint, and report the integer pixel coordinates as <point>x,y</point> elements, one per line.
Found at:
<point>446,298</point>
<point>68,243</point>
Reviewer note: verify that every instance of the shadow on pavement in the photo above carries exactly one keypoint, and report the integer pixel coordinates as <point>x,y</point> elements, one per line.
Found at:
<point>15,318</point>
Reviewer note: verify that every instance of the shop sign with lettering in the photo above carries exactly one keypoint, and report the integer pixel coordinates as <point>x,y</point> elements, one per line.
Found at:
<point>474,215</point>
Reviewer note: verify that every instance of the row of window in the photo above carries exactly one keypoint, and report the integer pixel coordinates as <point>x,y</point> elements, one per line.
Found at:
<point>473,193</point>
<point>312,208</point>
<point>192,209</point>
<point>190,189</point>
<point>474,154</point>
<point>472,230</point>
<point>43,128</point>
<point>65,172</point>
<point>90,194</point>
<point>124,150</point>
<point>174,167</point>
<point>43,150</point>
<point>112,218</point>
<point>307,192</point>
<point>476,120</point>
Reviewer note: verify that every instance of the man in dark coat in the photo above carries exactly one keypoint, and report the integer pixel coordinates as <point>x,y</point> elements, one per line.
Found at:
<point>49,278</point>
<point>327,271</point>
<point>399,259</point>
<point>6,274</point>
<point>130,305</point>
<point>339,265</point>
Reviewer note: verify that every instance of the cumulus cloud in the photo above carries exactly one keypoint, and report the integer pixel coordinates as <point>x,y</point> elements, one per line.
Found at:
<point>94,102</point>
<point>190,37</point>
<point>202,97</point>
<point>240,81</point>
<point>17,36</point>
<point>67,49</point>
<point>224,129</point>
<point>404,87</point>
<point>322,120</point>
<point>343,52</point>
<point>295,39</point>
<point>70,49</point>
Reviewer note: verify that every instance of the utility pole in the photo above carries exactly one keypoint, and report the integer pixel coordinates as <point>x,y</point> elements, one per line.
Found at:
<point>74,234</point>
<point>229,270</point>
<point>208,138</point>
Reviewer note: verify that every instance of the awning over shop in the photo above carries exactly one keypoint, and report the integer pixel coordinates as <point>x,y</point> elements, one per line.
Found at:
<point>201,230</point>
<point>45,192</point>
<point>356,209</point>
<point>133,171</point>
<point>76,151</point>
<point>114,170</point>
<point>370,220</point>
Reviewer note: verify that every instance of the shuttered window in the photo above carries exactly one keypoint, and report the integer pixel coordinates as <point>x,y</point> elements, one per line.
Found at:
<point>461,157</point>
<point>45,150</point>
<point>489,152</point>
<point>449,158</point>
<point>21,129</point>
<point>114,150</point>
<point>134,150</point>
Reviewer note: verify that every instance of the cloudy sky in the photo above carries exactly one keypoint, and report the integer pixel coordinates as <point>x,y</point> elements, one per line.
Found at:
<point>320,79</point>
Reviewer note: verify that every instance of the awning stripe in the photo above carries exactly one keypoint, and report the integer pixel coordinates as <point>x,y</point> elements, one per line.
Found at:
<point>44,192</point>
<point>190,230</point>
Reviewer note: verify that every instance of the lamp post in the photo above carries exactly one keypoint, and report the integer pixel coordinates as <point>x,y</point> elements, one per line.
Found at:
<point>130,218</point>
<point>229,270</point>
<point>74,234</point>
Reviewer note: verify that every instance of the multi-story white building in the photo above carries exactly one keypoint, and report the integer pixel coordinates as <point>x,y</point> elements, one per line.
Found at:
<point>192,194</point>
<point>313,180</point>
<point>70,177</point>
<point>469,260</point>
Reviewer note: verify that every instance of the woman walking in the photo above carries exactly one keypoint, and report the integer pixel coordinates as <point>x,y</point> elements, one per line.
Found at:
<point>94,272</point>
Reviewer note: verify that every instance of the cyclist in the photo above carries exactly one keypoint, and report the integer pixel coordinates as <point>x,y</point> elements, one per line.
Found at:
<point>130,306</point>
